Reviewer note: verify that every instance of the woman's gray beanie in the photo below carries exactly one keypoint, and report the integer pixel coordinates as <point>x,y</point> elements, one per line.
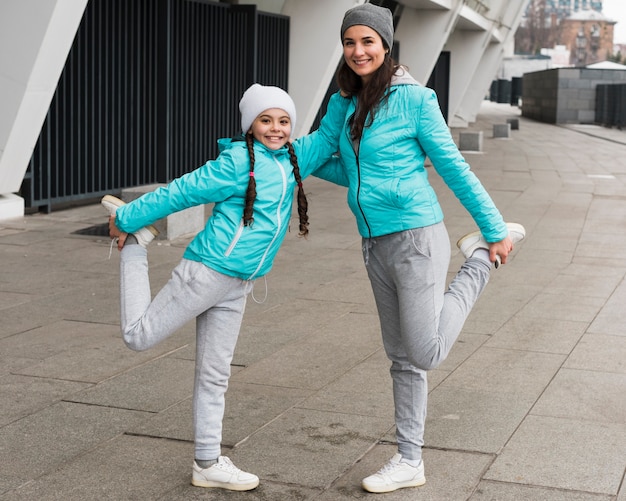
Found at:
<point>378,18</point>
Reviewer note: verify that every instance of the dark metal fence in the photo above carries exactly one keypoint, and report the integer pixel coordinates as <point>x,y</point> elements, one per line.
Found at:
<point>148,87</point>
<point>611,105</point>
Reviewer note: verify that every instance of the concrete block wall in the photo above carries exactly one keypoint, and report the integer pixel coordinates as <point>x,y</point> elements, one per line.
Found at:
<point>565,95</point>
<point>539,95</point>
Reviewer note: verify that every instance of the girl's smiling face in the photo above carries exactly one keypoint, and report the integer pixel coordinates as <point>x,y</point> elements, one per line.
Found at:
<point>363,50</point>
<point>272,128</point>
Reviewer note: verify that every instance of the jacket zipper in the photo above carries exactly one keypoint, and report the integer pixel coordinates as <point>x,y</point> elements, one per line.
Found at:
<point>278,219</point>
<point>358,195</point>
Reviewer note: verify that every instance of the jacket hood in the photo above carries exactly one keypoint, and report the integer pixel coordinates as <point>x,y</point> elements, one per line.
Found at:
<point>403,77</point>
<point>227,142</point>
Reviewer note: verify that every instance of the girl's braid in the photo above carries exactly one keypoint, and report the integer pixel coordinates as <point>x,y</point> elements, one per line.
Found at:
<point>303,205</point>
<point>248,217</point>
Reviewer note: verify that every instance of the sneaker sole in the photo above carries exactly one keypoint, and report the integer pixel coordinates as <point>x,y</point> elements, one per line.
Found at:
<point>466,237</point>
<point>512,227</point>
<point>223,485</point>
<point>388,488</point>
<point>116,202</point>
<point>516,228</point>
<point>110,202</point>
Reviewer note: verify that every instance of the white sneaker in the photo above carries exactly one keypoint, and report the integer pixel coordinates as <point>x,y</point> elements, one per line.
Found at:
<point>225,475</point>
<point>395,475</point>
<point>145,235</point>
<point>475,240</point>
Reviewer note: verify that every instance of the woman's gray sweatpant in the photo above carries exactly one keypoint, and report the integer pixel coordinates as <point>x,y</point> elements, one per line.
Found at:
<point>216,301</point>
<point>420,320</point>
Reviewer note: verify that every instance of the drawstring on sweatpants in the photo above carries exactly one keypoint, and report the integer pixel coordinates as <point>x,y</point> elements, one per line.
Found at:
<point>252,293</point>
<point>113,242</point>
<point>368,243</point>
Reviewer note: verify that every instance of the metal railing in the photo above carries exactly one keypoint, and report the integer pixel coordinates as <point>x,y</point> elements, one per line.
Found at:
<point>148,87</point>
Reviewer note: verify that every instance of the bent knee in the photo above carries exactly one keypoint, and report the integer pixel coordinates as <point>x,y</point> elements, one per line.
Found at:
<point>425,364</point>
<point>134,342</point>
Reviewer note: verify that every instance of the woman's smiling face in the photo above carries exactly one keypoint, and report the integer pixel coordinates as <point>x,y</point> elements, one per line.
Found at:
<point>363,50</point>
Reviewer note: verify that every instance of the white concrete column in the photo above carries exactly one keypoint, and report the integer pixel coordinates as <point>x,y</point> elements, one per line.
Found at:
<point>314,53</point>
<point>466,50</point>
<point>506,18</point>
<point>422,34</point>
<point>35,39</point>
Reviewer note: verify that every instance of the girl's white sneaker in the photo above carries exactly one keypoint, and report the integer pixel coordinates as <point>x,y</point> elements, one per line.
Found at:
<point>224,475</point>
<point>145,235</point>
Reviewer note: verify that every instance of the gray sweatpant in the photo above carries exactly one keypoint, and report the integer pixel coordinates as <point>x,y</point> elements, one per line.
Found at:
<point>216,301</point>
<point>420,320</point>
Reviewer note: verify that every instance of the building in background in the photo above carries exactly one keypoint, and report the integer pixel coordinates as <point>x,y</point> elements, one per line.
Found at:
<point>589,37</point>
<point>541,23</point>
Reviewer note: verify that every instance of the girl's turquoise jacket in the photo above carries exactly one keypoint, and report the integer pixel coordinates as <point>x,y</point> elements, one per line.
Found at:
<point>225,245</point>
<point>388,188</point>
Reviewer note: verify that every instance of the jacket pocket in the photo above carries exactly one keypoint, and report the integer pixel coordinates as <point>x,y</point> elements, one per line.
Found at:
<point>235,239</point>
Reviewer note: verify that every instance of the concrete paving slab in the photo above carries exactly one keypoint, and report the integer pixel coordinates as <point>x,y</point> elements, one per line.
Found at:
<point>449,475</point>
<point>249,407</point>
<point>589,283</point>
<point>612,318</point>
<point>150,387</point>
<point>598,245</point>
<point>501,491</point>
<point>557,306</point>
<point>348,393</point>
<point>506,371</point>
<point>12,299</point>
<point>125,468</point>
<point>597,352</point>
<point>43,442</point>
<point>266,491</point>
<point>22,395</point>
<point>310,448</point>
<point>319,358</point>
<point>78,351</point>
<point>538,335</point>
<point>555,452</point>
<point>466,345</point>
<point>470,420</point>
<point>586,396</point>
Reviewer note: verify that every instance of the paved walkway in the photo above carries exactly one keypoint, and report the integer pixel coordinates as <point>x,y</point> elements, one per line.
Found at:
<point>530,404</point>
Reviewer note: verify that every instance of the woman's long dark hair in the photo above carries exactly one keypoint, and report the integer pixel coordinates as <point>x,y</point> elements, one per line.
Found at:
<point>370,96</point>
<point>248,217</point>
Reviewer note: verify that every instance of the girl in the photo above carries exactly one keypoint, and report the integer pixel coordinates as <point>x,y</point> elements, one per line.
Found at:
<point>252,185</point>
<point>392,124</point>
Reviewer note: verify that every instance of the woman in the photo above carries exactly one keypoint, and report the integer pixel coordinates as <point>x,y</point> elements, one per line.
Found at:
<point>392,124</point>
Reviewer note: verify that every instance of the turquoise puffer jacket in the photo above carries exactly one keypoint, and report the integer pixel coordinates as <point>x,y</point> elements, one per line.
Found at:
<point>225,245</point>
<point>388,188</point>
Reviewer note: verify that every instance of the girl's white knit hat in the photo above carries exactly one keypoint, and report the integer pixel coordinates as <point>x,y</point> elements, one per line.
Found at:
<point>259,98</point>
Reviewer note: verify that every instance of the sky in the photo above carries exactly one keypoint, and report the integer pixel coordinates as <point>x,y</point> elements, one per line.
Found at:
<point>616,10</point>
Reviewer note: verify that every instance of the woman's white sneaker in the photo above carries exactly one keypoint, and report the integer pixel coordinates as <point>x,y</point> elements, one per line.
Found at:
<point>395,475</point>
<point>475,240</point>
<point>224,475</point>
<point>145,235</point>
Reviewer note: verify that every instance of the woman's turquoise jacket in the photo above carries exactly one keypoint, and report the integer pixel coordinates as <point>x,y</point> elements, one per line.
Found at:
<point>224,244</point>
<point>386,176</point>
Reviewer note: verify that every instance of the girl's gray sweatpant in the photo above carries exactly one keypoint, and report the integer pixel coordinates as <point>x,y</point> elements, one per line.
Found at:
<point>216,301</point>
<point>420,320</point>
